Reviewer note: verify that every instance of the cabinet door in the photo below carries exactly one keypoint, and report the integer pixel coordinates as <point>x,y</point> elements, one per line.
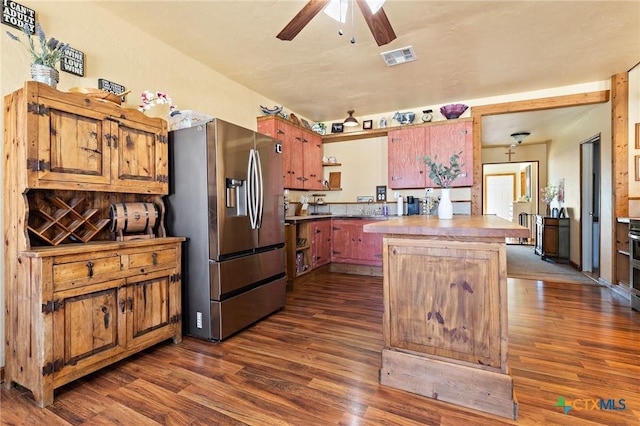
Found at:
<point>277,129</point>
<point>296,166</point>
<point>321,243</point>
<point>370,245</point>
<point>141,153</point>
<point>550,237</point>
<point>152,308</point>
<point>452,138</point>
<point>312,160</point>
<point>70,146</point>
<point>406,148</point>
<point>344,236</point>
<point>88,328</point>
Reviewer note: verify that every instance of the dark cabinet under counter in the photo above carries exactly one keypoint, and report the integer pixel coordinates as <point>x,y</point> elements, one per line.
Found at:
<point>552,238</point>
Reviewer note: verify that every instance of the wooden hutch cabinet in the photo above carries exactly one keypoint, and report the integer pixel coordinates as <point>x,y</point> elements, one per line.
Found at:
<point>552,238</point>
<point>77,298</point>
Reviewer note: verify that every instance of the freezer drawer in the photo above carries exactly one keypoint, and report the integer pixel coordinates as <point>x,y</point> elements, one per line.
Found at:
<point>232,275</point>
<point>238,312</point>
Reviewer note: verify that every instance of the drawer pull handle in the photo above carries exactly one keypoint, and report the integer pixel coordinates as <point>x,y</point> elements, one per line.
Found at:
<point>123,304</point>
<point>154,257</point>
<point>90,268</point>
<point>105,311</point>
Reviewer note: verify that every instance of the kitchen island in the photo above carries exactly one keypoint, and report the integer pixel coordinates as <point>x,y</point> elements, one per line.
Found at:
<point>445,309</point>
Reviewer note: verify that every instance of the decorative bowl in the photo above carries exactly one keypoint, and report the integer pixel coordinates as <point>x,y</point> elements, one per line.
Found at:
<point>453,110</point>
<point>99,94</point>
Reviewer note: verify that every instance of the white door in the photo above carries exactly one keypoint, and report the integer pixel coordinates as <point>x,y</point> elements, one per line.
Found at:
<point>500,194</point>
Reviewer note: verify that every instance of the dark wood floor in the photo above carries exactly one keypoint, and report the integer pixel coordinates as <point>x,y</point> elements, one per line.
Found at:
<point>316,363</point>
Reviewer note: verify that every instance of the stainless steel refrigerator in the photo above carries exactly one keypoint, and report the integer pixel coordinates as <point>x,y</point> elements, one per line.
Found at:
<point>227,198</point>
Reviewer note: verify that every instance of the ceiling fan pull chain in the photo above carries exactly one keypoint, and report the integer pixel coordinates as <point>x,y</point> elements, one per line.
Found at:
<point>353,37</point>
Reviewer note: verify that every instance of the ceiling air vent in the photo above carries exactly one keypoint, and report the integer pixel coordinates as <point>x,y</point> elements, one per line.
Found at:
<point>399,56</point>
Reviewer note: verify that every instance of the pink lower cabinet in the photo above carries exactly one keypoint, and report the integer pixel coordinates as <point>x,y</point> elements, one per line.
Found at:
<point>352,245</point>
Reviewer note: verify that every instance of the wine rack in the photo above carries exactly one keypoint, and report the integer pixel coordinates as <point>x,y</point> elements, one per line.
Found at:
<point>66,221</point>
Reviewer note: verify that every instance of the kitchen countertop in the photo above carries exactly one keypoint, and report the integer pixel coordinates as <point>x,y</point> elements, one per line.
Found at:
<point>297,219</point>
<point>459,226</point>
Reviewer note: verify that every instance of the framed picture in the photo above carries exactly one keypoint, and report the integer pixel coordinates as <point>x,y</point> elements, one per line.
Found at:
<point>337,128</point>
<point>367,124</point>
<point>637,135</point>
<point>637,163</point>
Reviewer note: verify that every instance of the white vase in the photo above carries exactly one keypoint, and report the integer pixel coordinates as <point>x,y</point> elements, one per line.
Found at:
<point>45,74</point>
<point>445,207</point>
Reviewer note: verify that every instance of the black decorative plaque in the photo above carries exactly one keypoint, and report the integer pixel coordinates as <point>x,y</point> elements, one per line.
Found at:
<point>73,62</point>
<point>18,16</point>
<point>111,87</point>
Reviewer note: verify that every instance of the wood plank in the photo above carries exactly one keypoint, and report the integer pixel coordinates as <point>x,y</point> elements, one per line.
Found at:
<point>474,388</point>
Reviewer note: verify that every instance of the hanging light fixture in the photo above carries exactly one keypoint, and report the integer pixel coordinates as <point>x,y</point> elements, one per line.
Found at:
<point>350,121</point>
<point>520,136</point>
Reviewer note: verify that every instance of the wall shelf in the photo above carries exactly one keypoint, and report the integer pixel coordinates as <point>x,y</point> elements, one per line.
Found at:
<point>375,133</point>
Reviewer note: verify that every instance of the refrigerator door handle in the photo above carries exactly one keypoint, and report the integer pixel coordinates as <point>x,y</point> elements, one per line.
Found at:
<point>250,188</point>
<point>260,188</point>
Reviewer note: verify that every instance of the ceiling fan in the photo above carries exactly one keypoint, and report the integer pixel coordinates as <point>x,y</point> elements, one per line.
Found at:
<point>378,22</point>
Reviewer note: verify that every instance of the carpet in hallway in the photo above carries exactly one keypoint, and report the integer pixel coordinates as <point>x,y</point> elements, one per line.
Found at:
<point>522,262</point>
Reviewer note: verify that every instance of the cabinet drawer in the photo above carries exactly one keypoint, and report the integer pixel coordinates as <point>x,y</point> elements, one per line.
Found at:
<point>152,260</point>
<point>85,270</point>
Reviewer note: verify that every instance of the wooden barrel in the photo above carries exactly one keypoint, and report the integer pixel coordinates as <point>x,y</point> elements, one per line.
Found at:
<point>133,217</point>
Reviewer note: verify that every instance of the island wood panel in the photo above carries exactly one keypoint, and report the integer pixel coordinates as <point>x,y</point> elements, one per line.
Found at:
<point>445,310</point>
<point>449,301</point>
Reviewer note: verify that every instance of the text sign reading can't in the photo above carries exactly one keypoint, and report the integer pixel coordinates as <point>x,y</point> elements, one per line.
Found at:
<point>73,62</point>
<point>18,16</point>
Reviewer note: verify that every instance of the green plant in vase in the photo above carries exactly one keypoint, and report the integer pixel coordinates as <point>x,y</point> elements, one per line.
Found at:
<point>45,55</point>
<point>443,175</point>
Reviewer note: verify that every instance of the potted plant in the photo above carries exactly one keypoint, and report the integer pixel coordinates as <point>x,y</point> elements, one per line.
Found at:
<point>443,176</point>
<point>44,59</point>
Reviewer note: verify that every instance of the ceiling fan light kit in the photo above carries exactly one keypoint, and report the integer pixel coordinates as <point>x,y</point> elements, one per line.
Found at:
<point>350,121</point>
<point>377,21</point>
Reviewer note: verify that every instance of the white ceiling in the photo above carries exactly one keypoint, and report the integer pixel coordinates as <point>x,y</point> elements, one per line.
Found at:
<point>465,50</point>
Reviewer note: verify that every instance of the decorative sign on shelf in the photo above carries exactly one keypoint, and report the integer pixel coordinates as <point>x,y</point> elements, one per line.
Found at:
<point>18,16</point>
<point>73,62</point>
<point>111,87</point>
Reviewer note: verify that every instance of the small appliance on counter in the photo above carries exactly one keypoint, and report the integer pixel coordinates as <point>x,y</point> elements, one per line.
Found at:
<point>413,205</point>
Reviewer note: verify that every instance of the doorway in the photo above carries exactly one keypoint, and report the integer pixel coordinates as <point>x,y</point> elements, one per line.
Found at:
<point>510,191</point>
<point>590,205</point>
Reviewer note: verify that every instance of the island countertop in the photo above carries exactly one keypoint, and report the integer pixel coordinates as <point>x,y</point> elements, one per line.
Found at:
<point>485,226</point>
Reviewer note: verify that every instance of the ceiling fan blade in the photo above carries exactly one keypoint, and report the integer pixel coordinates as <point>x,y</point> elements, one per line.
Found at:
<point>303,17</point>
<point>378,24</point>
